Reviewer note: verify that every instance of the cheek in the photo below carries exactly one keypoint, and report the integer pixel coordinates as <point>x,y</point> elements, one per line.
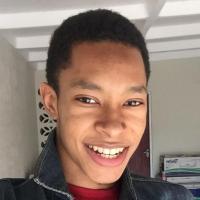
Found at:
<point>137,117</point>
<point>76,121</point>
<point>137,124</point>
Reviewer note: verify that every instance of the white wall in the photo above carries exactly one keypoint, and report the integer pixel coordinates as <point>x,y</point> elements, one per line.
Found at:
<point>39,78</point>
<point>18,128</point>
<point>175,93</point>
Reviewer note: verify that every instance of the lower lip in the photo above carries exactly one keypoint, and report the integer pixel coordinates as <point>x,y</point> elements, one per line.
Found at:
<point>111,162</point>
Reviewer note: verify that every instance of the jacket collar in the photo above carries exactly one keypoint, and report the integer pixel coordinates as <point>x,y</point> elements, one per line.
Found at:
<point>48,172</point>
<point>127,190</point>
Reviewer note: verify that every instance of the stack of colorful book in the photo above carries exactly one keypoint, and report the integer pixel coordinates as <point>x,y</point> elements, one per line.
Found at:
<point>183,170</point>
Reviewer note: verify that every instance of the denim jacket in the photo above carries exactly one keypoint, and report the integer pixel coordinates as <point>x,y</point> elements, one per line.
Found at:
<point>48,183</point>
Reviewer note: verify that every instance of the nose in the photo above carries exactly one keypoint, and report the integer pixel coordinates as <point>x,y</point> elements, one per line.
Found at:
<point>111,124</point>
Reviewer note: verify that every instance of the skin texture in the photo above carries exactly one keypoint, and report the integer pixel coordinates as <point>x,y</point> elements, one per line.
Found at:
<point>102,101</point>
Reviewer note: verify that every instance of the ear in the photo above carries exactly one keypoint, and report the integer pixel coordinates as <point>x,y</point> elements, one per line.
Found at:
<point>49,99</point>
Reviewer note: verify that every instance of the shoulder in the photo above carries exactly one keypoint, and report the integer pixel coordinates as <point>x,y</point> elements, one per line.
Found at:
<point>12,188</point>
<point>7,187</point>
<point>158,189</point>
<point>12,183</point>
<point>8,183</point>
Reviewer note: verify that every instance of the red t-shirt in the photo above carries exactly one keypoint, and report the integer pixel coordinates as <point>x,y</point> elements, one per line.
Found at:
<point>81,193</point>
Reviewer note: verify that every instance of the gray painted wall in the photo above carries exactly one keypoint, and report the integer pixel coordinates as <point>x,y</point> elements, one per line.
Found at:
<point>175,95</point>
<point>18,127</point>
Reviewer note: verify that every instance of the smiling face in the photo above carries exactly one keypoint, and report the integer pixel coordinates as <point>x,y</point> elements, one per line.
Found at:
<point>101,112</point>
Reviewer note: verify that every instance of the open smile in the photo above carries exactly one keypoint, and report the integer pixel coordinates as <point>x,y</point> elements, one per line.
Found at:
<point>106,152</point>
<point>107,156</point>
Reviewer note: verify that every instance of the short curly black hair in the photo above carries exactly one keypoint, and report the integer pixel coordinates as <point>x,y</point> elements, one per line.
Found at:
<point>92,26</point>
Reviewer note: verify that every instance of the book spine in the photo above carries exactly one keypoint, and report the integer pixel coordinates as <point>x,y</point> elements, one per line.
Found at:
<point>191,185</point>
<point>186,179</point>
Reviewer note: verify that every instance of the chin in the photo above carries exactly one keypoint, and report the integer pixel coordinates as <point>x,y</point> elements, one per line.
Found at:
<point>108,177</point>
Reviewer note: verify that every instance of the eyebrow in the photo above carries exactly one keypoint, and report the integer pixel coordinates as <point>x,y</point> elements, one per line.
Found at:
<point>85,85</point>
<point>138,89</point>
<point>92,86</point>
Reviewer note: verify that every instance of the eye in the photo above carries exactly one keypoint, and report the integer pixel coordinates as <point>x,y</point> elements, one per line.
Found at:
<point>133,103</point>
<point>86,100</point>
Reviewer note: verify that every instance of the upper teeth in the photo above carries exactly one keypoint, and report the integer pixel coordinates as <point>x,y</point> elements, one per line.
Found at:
<point>106,151</point>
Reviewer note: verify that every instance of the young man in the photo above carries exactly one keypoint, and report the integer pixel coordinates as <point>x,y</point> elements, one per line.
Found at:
<point>97,73</point>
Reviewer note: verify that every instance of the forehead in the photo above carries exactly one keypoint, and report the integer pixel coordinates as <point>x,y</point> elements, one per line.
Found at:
<point>105,51</point>
<point>108,61</point>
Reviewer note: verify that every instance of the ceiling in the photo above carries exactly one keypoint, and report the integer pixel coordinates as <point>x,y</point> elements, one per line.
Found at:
<point>170,27</point>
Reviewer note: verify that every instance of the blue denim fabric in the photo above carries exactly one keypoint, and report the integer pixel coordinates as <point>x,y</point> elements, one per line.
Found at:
<point>48,183</point>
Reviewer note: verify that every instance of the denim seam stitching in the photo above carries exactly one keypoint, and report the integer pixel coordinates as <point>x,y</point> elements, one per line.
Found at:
<point>52,189</point>
<point>42,160</point>
<point>132,186</point>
